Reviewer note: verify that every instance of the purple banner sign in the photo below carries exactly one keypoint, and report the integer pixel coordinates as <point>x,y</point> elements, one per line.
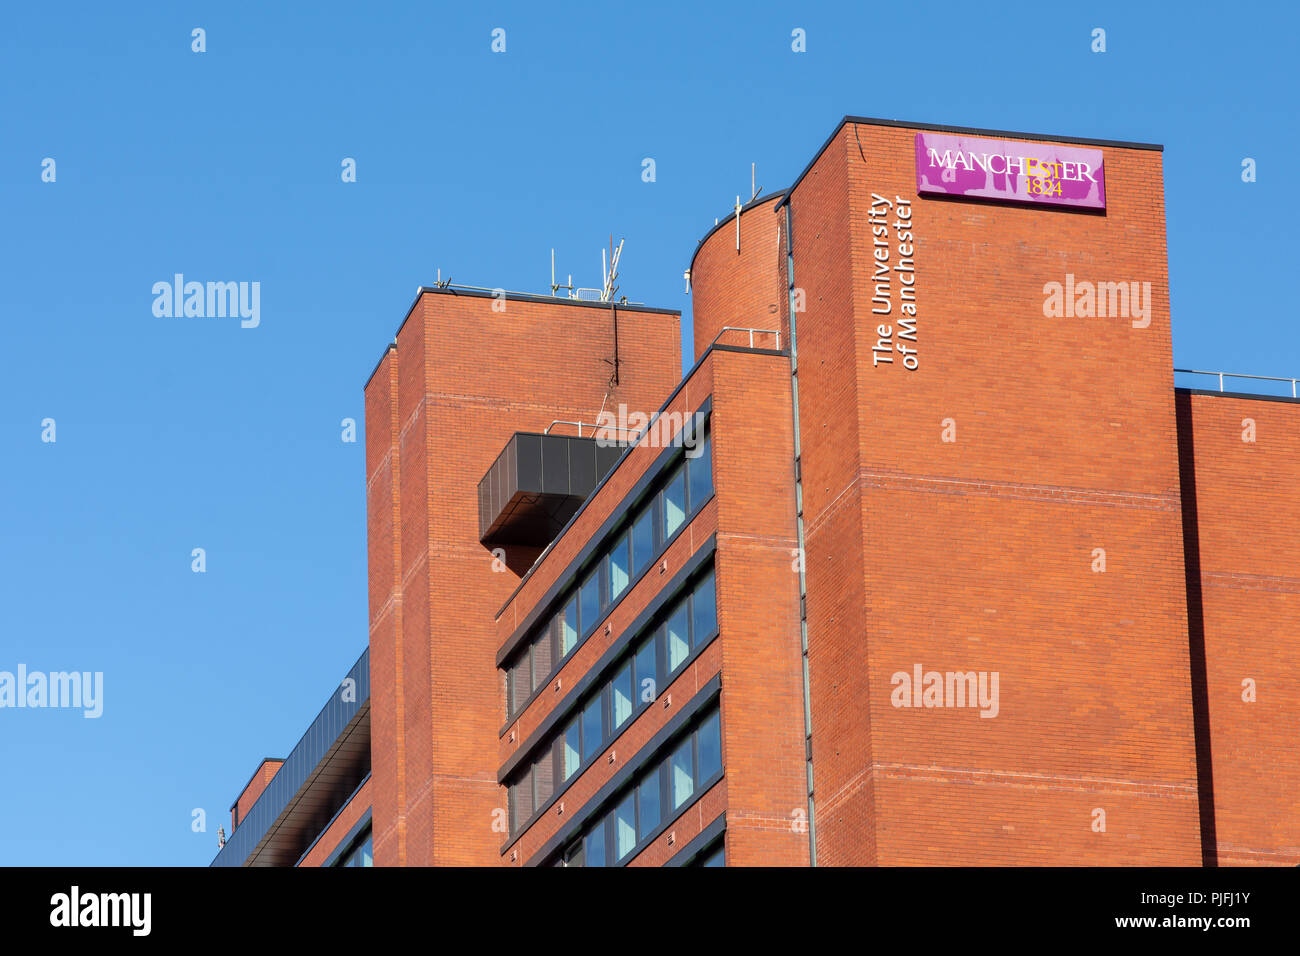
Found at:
<point>1011,172</point>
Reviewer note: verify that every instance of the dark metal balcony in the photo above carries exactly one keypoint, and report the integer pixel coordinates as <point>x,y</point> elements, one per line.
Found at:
<point>537,484</point>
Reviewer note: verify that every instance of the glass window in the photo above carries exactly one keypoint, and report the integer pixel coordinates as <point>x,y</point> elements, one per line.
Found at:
<point>674,498</point>
<point>521,681</point>
<point>717,858</point>
<point>700,472</point>
<point>572,748</point>
<point>362,854</point>
<point>647,687</point>
<point>542,658</point>
<point>648,804</point>
<point>619,569</point>
<point>625,827</point>
<point>705,609</point>
<point>544,777</point>
<point>569,628</point>
<point>643,538</point>
<point>592,731</point>
<point>681,776</point>
<point>593,849</point>
<point>621,696</point>
<point>679,640</point>
<point>524,798</point>
<point>589,598</point>
<point>710,747</point>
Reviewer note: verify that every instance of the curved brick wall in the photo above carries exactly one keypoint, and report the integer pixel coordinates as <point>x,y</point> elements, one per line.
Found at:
<point>745,288</point>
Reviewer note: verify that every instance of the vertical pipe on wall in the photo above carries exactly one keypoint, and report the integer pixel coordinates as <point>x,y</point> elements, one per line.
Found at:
<point>799,525</point>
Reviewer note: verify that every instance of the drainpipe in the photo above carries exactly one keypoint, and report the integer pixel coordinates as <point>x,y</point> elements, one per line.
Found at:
<point>798,498</point>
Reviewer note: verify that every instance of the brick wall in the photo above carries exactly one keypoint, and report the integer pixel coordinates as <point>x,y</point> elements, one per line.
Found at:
<point>462,378</point>
<point>977,554</point>
<point>1241,516</point>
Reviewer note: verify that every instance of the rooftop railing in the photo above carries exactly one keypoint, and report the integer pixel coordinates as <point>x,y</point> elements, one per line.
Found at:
<point>1234,375</point>
<point>751,332</point>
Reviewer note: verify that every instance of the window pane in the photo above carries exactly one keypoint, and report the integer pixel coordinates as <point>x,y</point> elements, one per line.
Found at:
<point>592,733</point>
<point>544,777</point>
<point>647,687</point>
<point>679,641</point>
<point>521,682</point>
<point>619,571</point>
<point>593,850</point>
<point>648,800</point>
<point>643,538</point>
<point>674,498</point>
<point>542,658</point>
<point>700,472</point>
<point>625,827</point>
<point>621,694</point>
<point>682,780</point>
<point>569,627</point>
<point>524,798</point>
<point>710,747</point>
<point>717,858</point>
<point>705,609</point>
<point>590,600</point>
<point>572,749</point>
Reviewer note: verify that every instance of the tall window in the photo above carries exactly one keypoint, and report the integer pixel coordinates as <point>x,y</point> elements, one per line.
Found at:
<point>652,798</point>
<point>361,852</point>
<point>636,680</point>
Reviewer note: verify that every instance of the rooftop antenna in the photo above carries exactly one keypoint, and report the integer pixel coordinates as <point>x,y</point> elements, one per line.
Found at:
<point>608,288</point>
<point>556,287</point>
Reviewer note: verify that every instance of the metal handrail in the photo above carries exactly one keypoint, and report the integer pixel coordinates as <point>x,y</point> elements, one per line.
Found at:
<point>1222,375</point>
<point>591,425</point>
<point>738,328</point>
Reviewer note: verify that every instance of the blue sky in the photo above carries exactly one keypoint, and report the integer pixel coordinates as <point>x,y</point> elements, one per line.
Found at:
<point>175,434</point>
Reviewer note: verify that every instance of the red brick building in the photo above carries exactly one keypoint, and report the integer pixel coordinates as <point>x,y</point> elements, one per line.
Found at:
<point>911,567</point>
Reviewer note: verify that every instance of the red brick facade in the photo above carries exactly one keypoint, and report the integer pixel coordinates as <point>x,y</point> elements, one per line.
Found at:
<point>1034,502</point>
<point>1241,468</point>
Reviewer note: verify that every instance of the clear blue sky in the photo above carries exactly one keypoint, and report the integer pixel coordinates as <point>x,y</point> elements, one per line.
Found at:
<point>174,434</point>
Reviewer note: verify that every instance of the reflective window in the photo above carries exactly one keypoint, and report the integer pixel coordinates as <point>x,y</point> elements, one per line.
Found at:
<point>613,704</point>
<point>621,696</point>
<point>648,805</point>
<point>625,827</point>
<point>704,607</point>
<point>717,857</point>
<point>593,849</point>
<point>679,639</point>
<point>681,778</point>
<point>643,538</point>
<point>710,747</point>
<point>362,854</point>
<point>569,627</point>
<point>647,687</point>
<point>589,599</point>
<point>654,796</point>
<point>592,732</point>
<point>572,748</point>
<point>700,472</point>
<point>619,568</point>
<point>674,502</point>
